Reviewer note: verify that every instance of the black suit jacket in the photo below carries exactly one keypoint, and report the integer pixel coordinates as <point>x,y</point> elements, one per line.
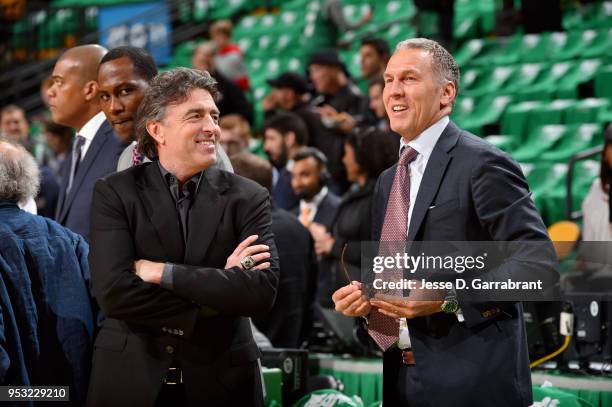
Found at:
<point>288,324</point>
<point>326,215</point>
<point>352,226</point>
<point>73,210</point>
<point>201,325</point>
<point>470,191</point>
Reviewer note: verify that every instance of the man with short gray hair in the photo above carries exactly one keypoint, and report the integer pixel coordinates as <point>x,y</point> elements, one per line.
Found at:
<point>449,186</point>
<point>48,320</point>
<point>181,255</point>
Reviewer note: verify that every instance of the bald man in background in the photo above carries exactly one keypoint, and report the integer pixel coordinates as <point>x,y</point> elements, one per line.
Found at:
<point>74,102</point>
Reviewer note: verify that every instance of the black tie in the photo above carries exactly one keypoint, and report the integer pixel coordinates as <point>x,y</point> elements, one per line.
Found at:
<point>76,158</point>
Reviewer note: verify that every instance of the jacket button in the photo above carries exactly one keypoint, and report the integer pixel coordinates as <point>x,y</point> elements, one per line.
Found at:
<point>170,349</point>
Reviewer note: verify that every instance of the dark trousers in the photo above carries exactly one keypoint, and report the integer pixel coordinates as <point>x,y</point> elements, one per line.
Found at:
<point>401,384</point>
<point>171,395</point>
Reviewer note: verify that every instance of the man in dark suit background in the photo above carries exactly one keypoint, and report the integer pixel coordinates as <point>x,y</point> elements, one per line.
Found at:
<point>318,206</point>
<point>284,134</point>
<point>74,102</point>
<point>289,322</point>
<point>174,263</point>
<point>448,186</point>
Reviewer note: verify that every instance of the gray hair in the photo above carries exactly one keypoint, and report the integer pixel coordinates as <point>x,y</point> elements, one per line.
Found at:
<point>168,88</point>
<point>19,177</point>
<point>444,65</point>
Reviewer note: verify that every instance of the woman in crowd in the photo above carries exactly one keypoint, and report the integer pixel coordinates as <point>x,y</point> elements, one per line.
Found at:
<point>367,153</point>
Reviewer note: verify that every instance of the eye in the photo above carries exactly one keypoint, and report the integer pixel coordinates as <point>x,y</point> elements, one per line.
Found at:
<point>104,97</point>
<point>215,117</point>
<point>124,92</point>
<point>193,116</point>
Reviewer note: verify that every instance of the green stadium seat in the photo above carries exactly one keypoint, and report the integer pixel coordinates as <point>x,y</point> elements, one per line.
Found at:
<point>546,84</point>
<point>523,77</point>
<point>554,199</point>
<point>475,113</point>
<point>472,50</point>
<point>545,179</point>
<point>534,47</point>
<point>603,83</point>
<point>541,139</point>
<point>489,82</point>
<point>587,110</point>
<point>582,72</point>
<point>576,139</point>
<point>506,143</point>
<point>514,119</point>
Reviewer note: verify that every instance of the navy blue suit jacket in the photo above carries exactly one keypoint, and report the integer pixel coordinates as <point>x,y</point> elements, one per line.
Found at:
<point>470,191</point>
<point>73,210</point>
<point>282,193</point>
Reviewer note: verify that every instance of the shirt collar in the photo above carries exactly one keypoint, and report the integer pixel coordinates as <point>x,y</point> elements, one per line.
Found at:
<point>89,130</point>
<point>425,142</point>
<point>171,179</point>
<point>316,200</point>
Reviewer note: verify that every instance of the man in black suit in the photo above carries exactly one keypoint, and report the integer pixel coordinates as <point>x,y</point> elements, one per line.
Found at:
<point>463,189</point>
<point>284,134</point>
<point>318,206</point>
<point>174,262</point>
<point>289,322</point>
<point>74,102</point>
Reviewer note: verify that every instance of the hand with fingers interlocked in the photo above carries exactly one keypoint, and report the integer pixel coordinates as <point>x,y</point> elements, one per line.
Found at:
<point>247,257</point>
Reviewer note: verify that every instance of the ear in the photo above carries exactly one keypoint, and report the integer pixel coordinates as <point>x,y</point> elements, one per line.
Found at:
<point>290,141</point>
<point>448,95</point>
<point>154,129</point>
<point>91,91</point>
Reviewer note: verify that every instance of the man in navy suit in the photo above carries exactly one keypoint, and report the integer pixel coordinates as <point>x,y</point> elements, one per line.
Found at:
<point>74,102</point>
<point>449,185</point>
<point>317,206</point>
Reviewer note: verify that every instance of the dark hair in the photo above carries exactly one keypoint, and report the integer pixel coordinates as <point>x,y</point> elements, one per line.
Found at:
<point>307,152</point>
<point>287,122</point>
<point>379,80</point>
<point>11,108</point>
<point>253,167</point>
<point>63,132</point>
<point>375,150</point>
<point>167,88</point>
<point>144,64</point>
<point>381,46</point>
<point>605,173</point>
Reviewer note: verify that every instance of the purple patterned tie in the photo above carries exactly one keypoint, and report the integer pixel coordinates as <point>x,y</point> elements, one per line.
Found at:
<point>137,157</point>
<point>383,329</point>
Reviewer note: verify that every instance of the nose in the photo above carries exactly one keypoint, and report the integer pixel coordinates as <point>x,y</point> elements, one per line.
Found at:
<point>394,88</point>
<point>51,91</point>
<point>116,106</point>
<point>210,127</point>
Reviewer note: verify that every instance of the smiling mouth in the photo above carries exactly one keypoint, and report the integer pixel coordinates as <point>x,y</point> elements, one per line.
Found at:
<point>399,108</point>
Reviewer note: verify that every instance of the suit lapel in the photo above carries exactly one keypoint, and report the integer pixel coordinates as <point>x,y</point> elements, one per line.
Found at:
<point>97,144</point>
<point>162,213</point>
<point>434,172</point>
<point>205,215</point>
<point>62,194</point>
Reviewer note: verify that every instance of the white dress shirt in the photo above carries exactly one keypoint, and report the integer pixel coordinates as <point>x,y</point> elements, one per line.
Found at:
<point>424,144</point>
<point>314,203</point>
<point>89,130</point>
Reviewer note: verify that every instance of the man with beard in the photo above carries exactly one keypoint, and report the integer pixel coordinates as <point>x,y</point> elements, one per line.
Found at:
<point>124,75</point>
<point>317,206</point>
<point>284,135</point>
